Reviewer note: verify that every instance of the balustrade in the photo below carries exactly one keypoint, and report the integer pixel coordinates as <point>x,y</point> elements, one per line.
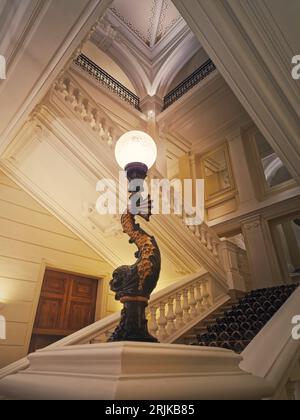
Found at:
<point>171,313</point>
<point>97,73</point>
<point>201,73</point>
<point>87,111</point>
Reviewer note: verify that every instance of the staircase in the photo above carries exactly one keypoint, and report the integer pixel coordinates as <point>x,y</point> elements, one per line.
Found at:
<point>259,321</point>
<point>235,325</point>
<point>171,313</point>
<point>190,337</point>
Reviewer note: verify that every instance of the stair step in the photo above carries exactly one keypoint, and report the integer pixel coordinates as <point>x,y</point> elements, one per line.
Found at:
<point>231,345</point>
<point>266,299</point>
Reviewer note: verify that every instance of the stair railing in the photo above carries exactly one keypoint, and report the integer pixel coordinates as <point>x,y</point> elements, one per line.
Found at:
<point>171,312</point>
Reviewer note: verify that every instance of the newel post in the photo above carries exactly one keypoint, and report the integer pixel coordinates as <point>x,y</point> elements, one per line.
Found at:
<point>229,254</point>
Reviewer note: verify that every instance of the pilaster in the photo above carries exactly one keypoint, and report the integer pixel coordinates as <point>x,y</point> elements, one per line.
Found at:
<point>240,167</point>
<point>263,265</point>
<point>230,259</point>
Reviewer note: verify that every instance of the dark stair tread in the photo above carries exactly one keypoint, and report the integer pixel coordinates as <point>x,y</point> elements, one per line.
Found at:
<point>236,324</point>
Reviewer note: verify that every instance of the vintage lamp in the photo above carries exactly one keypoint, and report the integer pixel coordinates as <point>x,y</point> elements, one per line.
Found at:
<point>136,152</point>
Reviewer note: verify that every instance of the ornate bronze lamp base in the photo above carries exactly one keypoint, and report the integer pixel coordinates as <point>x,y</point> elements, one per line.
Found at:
<point>133,324</point>
<point>134,284</point>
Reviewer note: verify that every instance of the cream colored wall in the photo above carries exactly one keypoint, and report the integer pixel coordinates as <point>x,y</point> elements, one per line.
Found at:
<point>30,240</point>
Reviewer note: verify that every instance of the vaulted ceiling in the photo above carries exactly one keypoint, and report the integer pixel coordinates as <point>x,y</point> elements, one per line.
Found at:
<point>150,20</point>
<point>149,40</point>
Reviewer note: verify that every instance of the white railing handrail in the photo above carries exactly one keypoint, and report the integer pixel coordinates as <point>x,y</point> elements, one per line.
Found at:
<point>190,311</point>
<point>93,330</point>
<point>273,352</point>
<point>163,293</point>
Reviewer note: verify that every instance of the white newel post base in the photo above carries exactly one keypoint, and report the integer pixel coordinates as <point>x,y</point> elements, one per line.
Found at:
<point>136,371</point>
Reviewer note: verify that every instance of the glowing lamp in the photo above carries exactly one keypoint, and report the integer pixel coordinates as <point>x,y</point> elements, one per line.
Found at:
<point>136,152</point>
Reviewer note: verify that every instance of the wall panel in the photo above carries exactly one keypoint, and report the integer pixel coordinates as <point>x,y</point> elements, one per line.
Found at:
<point>30,240</point>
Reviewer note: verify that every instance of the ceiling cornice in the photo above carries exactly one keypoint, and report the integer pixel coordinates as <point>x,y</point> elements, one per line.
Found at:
<point>148,69</point>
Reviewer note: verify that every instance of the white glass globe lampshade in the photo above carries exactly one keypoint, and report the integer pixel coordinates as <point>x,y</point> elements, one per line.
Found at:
<point>135,147</point>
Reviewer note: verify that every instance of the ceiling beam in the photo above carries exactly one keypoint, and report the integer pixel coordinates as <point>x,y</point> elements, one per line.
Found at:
<point>155,27</point>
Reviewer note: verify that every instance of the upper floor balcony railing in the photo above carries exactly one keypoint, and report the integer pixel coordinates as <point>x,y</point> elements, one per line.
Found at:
<point>107,81</point>
<point>201,73</point>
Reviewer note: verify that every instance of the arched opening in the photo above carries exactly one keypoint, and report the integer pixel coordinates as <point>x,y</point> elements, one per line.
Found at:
<point>104,61</point>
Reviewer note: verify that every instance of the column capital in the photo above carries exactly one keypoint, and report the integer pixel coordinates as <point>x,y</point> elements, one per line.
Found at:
<point>252,223</point>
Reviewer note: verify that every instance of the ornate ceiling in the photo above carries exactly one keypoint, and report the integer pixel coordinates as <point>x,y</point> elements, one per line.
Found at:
<point>150,20</point>
<point>148,40</point>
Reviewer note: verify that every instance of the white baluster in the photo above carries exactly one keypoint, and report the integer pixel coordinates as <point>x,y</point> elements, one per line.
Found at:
<point>205,295</point>
<point>79,105</point>
<point>162,322</point>
<point>64,87</point>
<point>209,241</point>
<point>88,112</point>
<point>192,302</point>
<point>153,327</point>
<point>291,391</point>
<point>178,312</point>
<point>96,121</point>
<point>103,338</point>
<point>109,139</point>
<point>203,235</point>
<point>102,129</point>
<point>99,339</point>
<point>186,306</point>
<point>198,297</point>
<point>70,97</point>
<point>192,228</point>
<point>101,132</point>
<point>59,86</point>
<point>215,248</point>
<point>108,333</point>
<point>171,317</point>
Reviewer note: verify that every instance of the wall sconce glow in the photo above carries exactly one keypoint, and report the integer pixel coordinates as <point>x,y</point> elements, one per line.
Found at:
<point>135,147</point>
<point>2,328</point>
<point>151,115</point>
<point>2,68</point>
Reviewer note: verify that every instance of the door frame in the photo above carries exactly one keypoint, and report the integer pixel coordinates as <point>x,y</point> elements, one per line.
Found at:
<point>101,299</point>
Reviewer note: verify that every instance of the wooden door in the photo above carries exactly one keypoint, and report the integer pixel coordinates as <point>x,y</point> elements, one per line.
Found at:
<point>67,304</point>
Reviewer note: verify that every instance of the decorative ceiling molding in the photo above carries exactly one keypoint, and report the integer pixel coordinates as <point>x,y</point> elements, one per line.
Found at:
<point>163,28</point>
<point>148,70</point>
<point>131,26</point>
<point>154,20</point>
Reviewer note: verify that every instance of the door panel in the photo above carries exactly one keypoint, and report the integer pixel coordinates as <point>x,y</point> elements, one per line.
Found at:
<point>67,304</point>
<point>78,316</point>
<point>50,314</point>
